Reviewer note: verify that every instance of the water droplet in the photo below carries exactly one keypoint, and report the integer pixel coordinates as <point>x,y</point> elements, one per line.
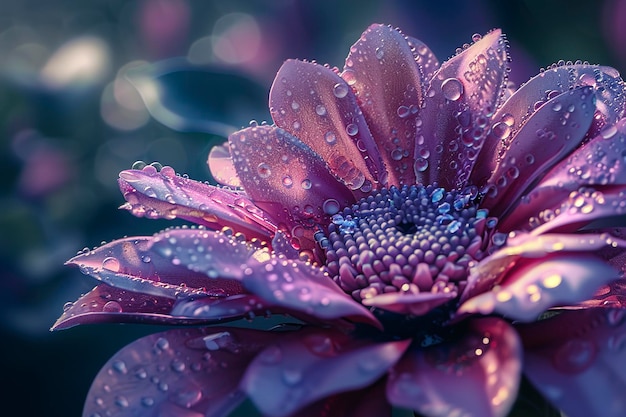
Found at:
<point>557,106</point>
<point>177,365</point>
<point>403,111</point>
<point>149,192</point>
<point>379,52</point>
<point>138,165</point>
<point>501,130</point>
<point>287,181</point>
<point>119,367</point>
<point>452,89</point>
<point>352,129</point>
<point>331,206</point>
<point>121,401</point>
<point>320,110</point>
<point>147,401</point>
<point>330,138</point>
<point>295,106</point>
<point>112,264</point>
<point>306,184</point>
<point>188,399</point>
<point>264,170</point>
<point>420,164</point>
<point>162,344</point>
<point>112,307</point>
<point>340,90</point>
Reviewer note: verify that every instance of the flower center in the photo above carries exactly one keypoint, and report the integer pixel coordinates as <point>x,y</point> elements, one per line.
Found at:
<point>414,239</point>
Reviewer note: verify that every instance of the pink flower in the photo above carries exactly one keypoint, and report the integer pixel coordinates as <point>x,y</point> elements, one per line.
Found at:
<point>434,231</point>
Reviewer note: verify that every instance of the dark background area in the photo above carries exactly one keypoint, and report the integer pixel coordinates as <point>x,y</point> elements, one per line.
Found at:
<point>70,121</point>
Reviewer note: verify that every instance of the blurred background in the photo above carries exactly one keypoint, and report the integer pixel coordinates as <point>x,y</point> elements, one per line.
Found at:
<point>72,78</point>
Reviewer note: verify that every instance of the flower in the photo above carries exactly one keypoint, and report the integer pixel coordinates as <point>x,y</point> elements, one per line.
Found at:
<point>434,231</point>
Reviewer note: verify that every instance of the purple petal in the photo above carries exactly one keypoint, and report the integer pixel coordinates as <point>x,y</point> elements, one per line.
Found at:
<point>315,104</point>
<point>165,195</point>
<point>491,270</point>
<point>611,295</point>
<point>462,97</point>
<point>133,264</point>
<point>291,284</point>
<point>582,208</point>
<point>425,58</point>
<point>406,303</point>
<point>577,360</point>
<point>476,376</point>
<point>535,285</point>
<point>549,135</point>
<point>109,304</point>
<point>220,309</point>
<point>517,110</point>
<point>598,162</point>
<point>182,372</point>
<point>314,364</point>
<point>367,402</point>
<point>389,87</point>
<point>221,166</point>
<point>285,177</point>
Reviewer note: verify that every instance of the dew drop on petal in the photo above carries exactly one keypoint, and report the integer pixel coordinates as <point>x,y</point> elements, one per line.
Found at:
<point>264,170</point>
<point>452,89</point>
<point>320,110</point>
<point>112,307</point>
<point>287,181</point>
<point>306,184</point>
<point>420,164</point>
<point>352,129</point>
<point>330,138</point>
<point>331,206</point>
<point>340,90</point>
<point>112,264</point>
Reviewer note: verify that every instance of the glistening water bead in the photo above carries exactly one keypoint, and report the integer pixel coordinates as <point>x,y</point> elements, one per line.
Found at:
<point>412,239</point>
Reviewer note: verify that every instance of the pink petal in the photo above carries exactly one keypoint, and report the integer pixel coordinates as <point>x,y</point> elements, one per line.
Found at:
<point>133,264</point>
<point>315,104</point>
<point>462,97</point>
<point>314,364</point>
<point>406,303</point>
<point>182,372</point>
<point>491,270</point>
<point>165,195</point>
<point>221,166</point>
<point>535,285</point>
<point>291,284</point>
<point>517,110</point>
<point>389,88</point>
<point>478,375</point>
<point>577,360</point>
<point>286,178</point>
<point>549,135</point>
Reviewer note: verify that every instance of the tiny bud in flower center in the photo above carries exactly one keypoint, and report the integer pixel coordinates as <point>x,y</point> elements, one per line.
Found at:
<point>412,239</point>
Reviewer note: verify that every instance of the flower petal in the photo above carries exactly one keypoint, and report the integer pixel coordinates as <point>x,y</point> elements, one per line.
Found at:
<point>555,129</point>
<point>313,103</point>
<point>367,402</point>
<point>220,309</point>
<point>286,178</point>
<point>221,166</point>
<point>577,360</point>
<point>105,304</point>
<point>291,284</point>
<point>314,364</point>
<point>611,295</point>
<point>491,270</point>
<point>519,108</point>
<point>425,58</point>
<point>165,195</point>
<point>183,372</point>
<point>462,97</point>
<point>389,88</point>
<point>535,285</point>
<point>403,303</point>
<point>133,264</point>
<point>478,375</point>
